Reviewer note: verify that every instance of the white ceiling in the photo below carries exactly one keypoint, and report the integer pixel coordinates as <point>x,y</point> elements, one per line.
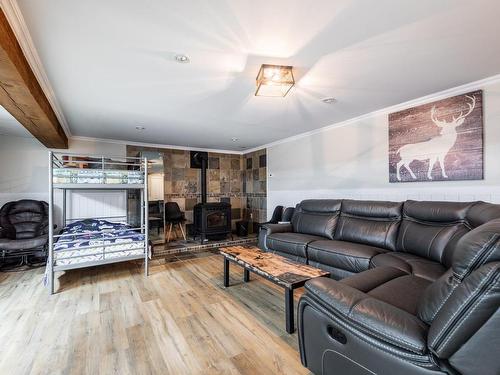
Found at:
<point>111,62</point>
<point>10,126</point>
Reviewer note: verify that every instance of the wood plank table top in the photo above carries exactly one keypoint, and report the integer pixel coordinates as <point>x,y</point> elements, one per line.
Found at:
<point>276,268</point>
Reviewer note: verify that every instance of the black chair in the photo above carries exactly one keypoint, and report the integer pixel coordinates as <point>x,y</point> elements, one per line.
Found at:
<point>287,214</point>
<point>276,217</point>
<point>24,230</point>
<point>174,216</point>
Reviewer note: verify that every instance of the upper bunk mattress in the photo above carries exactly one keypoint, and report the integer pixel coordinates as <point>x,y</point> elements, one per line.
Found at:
<point>96,176</point>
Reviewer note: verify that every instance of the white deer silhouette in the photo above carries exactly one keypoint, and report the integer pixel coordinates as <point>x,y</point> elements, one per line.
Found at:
<point>435,149</point>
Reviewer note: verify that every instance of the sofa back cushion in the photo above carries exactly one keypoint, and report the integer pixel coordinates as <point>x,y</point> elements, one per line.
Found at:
<point>317,217</point>
<point>479,246</point>
<point>432,229</point>
<point>470,304</point>
<point>461,307</point>
<point>24,219</point>
<point>474,250</point>
<point>482,212</point>
<point>374,223</point>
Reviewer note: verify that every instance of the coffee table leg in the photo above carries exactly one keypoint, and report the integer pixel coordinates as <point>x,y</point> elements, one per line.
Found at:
<point>226,272</point>
<point>246,275</point>
<point>290,325</point>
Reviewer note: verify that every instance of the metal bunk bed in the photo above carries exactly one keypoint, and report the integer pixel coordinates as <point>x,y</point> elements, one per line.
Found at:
<point>68,171</point>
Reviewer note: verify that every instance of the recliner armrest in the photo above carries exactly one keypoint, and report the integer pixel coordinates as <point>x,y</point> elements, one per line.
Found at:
<point>268,229</point>
<point>374,317</point>
<point>278,228</point>
<point>7,234</point>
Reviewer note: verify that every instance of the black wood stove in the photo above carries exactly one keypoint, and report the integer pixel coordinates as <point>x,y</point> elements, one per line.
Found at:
<point>211,220</point>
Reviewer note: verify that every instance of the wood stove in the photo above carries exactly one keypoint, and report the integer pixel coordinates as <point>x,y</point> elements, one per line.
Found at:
<point>211,220</point>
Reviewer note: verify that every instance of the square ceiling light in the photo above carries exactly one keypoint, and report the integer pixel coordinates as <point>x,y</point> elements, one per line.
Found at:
<point>274,80</point>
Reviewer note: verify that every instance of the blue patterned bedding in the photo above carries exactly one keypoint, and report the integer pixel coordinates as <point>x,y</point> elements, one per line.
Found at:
<point>84,234</point>
<point>110,239</point>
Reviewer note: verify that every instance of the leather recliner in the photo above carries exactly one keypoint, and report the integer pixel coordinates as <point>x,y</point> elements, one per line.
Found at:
<point>419,287</point>
<point>24,228</point>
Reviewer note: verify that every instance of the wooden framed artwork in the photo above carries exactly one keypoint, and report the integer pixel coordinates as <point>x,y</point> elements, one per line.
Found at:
<point>439,141</point>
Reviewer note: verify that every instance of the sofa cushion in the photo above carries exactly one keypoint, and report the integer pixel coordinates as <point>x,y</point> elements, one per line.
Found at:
<point>411,264</point>
<point>290,243</point>
<point>403,292</point>
<point>368,280</point>
<point>369,222</point>
<point>353,257</point>
<point>482,212</point>
<point>9,245</point>
<point>335,272</point>
<point>469,306</point>
<point>378,318</point>
<point>317,217</point>
<point>24,219</point>
<point>476,248</point>
<point>390,285</point>
<point>432,229</point>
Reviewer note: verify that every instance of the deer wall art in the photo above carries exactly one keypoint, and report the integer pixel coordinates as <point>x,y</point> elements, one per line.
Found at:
<point>437,141</point>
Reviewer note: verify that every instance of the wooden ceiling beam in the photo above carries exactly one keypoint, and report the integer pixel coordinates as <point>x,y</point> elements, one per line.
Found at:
<point>21,94</point>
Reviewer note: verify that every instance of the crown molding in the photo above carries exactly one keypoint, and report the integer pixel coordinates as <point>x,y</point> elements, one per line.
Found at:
<point>458,90</point>
<point>18,25</point>
<point>462,89</point>
<point>155,145</point>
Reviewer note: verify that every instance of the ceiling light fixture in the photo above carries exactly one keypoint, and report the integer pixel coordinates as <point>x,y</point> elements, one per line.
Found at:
<point>328,100</point>
<point>274,80</point>
<point>234,139</point>
<point>140,128</point>
<point>181,58</point>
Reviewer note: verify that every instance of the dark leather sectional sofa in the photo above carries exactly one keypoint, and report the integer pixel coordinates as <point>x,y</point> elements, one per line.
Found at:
<point>414,287</point>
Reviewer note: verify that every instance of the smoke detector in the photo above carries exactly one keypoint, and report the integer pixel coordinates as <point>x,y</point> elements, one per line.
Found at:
<point>183,59</point>
<point>234,139</point>
<point>329,100</point>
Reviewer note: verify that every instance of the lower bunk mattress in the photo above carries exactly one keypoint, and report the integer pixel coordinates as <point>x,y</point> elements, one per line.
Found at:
<point>96,240</point>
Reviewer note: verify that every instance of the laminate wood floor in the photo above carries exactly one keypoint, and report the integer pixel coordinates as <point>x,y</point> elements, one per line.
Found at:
<point>113,320</point>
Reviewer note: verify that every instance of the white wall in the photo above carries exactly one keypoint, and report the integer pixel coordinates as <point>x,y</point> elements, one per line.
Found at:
<point>23,169</point>
<point>351,161</point>
<point>24,165</point>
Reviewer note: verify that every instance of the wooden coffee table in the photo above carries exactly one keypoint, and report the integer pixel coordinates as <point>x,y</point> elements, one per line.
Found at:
<point>280,270</point>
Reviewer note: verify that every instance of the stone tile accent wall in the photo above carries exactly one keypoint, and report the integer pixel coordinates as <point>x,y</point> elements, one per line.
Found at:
<point>255,185</point>
<point>228,179</point>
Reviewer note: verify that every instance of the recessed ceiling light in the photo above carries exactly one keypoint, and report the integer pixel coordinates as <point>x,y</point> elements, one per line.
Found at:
<point>234,139</point>
<point>182,58</point>
<point>328,100</point>
<point>140,128</point>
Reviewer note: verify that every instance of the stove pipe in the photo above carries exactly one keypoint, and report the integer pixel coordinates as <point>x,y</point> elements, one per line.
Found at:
<point>199,160</point>
<point>203,180</point>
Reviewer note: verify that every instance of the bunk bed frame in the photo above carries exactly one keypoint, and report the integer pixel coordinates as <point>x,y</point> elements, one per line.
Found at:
<point>66,162</point>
